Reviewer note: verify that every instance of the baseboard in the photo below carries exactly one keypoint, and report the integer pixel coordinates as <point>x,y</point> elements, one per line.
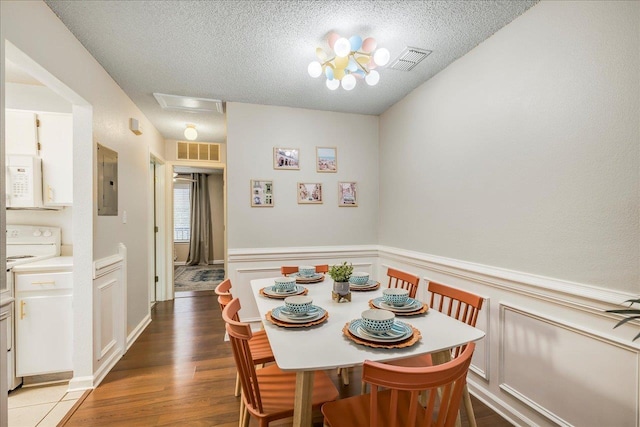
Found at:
<point>105,368</point>
<point>81,383</point>
<point>133,336</point>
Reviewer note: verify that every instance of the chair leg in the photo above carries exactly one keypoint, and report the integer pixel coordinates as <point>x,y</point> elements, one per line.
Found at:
<point>236,392</point>
<point>344,374</point>
<point>241,417</point>
<point>468,407</point>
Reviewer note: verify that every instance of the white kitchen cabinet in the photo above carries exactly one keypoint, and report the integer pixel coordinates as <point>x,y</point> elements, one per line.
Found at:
<point>44,323</point>
<point>21,135</point>
<point>55,134</point>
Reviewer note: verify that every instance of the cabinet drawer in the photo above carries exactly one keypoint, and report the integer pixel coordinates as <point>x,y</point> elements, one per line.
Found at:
<point>43,281</point>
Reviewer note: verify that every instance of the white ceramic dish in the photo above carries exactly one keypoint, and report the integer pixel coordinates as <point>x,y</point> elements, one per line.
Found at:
<point>400,331</point>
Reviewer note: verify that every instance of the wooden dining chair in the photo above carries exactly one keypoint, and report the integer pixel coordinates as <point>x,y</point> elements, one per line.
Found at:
<point>286,270</point>
<point>461,305</point>
<point>260,348</point>
<point>400,279</point>
<point>394,397</point>
<point>268,394</point>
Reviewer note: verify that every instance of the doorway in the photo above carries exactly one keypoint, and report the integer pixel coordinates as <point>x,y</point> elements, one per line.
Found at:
<point>209,270</point>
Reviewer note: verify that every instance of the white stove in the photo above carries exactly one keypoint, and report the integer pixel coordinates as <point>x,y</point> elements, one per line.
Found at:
<point>25,244</point>
<point>28,243</point>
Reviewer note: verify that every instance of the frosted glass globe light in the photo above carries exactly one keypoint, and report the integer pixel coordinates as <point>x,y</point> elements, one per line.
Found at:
<point>342,47</point>
<point>348,82</point>
<point>315,69</point>
<point>190,132</point>
<point>372,78</point>
<point>381,57</point>
<point>333,84</point>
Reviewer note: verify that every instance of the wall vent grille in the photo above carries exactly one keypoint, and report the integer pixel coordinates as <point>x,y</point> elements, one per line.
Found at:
<point>198,151</point>
<point>409,58</point>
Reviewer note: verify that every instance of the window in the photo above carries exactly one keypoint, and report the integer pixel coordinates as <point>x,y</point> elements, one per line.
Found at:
<point>181,212</point>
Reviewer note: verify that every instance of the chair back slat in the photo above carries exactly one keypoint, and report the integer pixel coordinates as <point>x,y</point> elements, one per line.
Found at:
<point>401,279</point>
<point>239,335</point>
<point>402,384</point>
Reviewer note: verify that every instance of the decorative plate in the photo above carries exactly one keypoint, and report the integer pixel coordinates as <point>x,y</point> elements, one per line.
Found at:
<point>277,322</point>
<point>423,308</point>
<point>412,306</point>
<point>400,331</point>
<point>282,314</point>
<point>408,342</point>
<point>316,278</point>
<point>371,285</point>
<point>270,292</point>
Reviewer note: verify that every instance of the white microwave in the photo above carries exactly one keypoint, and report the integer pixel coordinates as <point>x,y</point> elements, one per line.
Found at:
<point>23,181</point>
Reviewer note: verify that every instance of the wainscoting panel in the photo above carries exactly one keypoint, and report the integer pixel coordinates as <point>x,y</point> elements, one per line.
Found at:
<point>568,374</point>
<point>109,312</point>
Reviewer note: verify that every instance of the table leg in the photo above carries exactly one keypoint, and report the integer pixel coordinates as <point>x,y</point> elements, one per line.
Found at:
<point>302,414</point>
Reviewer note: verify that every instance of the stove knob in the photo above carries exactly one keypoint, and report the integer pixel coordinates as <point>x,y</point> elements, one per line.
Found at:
<point>46,233</point>
<point>37,233</point>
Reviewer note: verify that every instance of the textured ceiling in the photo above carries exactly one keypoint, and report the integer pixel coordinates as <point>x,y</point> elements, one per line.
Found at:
<point>258,51</point>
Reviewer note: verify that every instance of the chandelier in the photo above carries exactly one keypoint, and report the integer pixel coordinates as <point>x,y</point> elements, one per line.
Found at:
<point>350,59</point>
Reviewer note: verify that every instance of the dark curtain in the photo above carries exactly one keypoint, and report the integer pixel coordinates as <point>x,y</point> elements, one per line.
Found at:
<point>201,238</point>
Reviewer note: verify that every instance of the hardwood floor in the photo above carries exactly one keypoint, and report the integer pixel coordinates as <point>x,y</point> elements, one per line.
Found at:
<point>180,371</point>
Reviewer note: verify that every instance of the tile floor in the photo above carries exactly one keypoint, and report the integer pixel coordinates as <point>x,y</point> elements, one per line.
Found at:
<point>41,406</point>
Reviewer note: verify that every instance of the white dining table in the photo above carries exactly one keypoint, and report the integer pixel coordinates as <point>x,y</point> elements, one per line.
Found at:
<point>324,346</point>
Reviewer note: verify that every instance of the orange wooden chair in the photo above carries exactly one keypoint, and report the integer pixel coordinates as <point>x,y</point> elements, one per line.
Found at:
<point>400,279</point>
<point>461,305</point>
<point>268,393</point>
<point>286,270</point>
<point>260,348</point>
<point>397,404</point>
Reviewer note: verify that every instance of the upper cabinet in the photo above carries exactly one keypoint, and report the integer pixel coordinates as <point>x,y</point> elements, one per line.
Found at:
<point>50,136</point>
<point>21,135</point>
<point>55,134</point>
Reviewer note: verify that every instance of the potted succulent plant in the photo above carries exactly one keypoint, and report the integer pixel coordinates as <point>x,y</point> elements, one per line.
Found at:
<point>340,273</point>
<point>633,313</point>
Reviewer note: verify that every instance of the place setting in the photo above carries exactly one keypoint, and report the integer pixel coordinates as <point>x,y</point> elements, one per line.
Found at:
<point>307,274</point>
<point>297,312</point>
<point>360,281</point>
<point>380,329</point>
<point>398,301</point>
<point>283,287</point>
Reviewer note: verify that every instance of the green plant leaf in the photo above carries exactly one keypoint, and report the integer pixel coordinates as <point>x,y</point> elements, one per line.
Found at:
<point>623,321</point>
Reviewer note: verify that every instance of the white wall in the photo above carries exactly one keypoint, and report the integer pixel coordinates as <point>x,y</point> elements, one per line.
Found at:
<point>35,30</point>
<point>252,133</point>
<point>524,153</point>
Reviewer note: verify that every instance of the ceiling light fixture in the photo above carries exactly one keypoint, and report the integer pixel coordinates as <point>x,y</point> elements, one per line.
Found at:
<point>190,132</point>
<point>353,59</point>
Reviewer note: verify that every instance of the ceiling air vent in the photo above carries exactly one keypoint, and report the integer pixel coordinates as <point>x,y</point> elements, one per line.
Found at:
<point>187,103</point>
<point>409,58</point>
<point>198,151</point>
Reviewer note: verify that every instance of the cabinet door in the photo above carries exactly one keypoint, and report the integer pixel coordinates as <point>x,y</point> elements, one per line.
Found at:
<point>44,332</point>
<point>56,149</point>
<point>20,133</point>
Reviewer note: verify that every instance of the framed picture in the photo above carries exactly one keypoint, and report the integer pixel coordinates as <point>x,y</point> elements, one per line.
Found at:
<point>347,194</point>
<point>326,159</point>
<point>261,193</point>
<point>286,158</point>
<point>309,192</point>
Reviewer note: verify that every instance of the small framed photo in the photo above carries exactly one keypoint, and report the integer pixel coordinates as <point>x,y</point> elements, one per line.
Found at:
<point>326,159</point>
<point>347,194</point>
<point>309,192</point>
<point>286,158</point>
<point>261,193</point>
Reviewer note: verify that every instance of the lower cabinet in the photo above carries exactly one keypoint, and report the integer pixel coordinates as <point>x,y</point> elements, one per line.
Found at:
<point>44,324</point>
